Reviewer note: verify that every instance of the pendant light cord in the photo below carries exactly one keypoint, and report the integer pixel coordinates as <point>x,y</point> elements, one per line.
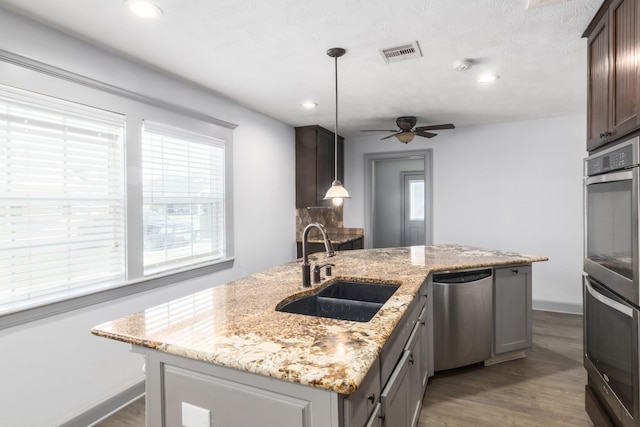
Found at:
<point>336,135</point>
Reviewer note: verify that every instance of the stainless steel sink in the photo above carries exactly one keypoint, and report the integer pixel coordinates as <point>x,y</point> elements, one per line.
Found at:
<point>343,300</point>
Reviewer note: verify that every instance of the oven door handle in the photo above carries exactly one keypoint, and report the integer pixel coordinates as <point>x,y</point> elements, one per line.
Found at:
<point>628,311</point>
<point>622,175</point>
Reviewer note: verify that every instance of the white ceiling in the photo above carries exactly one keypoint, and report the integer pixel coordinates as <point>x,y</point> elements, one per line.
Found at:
<point>270,55</point>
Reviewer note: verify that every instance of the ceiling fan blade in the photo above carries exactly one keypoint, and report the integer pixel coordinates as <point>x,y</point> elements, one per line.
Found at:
<point>426,134</point>
<point>436,127</point>
<point>390,136</point>
<point>379,130</point>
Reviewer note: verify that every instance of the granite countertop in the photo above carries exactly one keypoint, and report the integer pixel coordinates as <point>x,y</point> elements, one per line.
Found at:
<point>236,325</point>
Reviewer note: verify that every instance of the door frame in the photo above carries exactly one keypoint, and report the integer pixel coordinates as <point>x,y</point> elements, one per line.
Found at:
<point>369,189</point>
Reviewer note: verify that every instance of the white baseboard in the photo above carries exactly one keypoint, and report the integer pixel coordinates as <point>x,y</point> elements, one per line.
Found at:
<point>107,407</point>
<point>558,307</point>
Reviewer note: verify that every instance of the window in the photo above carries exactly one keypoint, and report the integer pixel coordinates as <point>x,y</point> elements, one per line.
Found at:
<point>61,197</point>
<point>183,192</point>
<point>92,200</point>
<point>416,200</point>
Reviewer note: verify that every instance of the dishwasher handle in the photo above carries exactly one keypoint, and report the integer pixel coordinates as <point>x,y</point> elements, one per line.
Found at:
<point>461,276</point>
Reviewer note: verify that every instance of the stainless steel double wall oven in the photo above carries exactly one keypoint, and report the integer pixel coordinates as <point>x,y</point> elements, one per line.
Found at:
<point>611,285</point>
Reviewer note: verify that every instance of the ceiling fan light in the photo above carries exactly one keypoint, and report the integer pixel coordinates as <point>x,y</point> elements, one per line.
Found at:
<point>405,137</point>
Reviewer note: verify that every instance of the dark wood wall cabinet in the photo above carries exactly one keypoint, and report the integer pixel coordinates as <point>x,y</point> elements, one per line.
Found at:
<point>613,40</point>
<point>315,165</point>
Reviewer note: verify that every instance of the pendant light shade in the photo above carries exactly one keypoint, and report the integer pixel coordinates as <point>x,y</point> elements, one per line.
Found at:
<point>337,193</point>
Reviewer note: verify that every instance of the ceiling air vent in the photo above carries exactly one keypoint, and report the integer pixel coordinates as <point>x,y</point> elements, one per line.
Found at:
<point>400,53</point>
<point>532,4</point>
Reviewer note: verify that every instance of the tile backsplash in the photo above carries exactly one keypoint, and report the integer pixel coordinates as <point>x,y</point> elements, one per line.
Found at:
<point>331,217</point>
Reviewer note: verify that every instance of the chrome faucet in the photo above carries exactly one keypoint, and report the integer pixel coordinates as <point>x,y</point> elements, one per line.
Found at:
<point>306,268</point>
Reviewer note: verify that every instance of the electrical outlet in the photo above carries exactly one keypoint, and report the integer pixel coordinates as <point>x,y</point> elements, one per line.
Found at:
<point>195,416</point>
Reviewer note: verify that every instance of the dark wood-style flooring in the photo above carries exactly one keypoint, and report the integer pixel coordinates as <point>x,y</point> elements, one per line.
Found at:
<point>544,389</point>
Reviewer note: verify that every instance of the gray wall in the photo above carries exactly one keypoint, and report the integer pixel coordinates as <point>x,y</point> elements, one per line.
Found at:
<point>514,186</point>
<point>388,187</point>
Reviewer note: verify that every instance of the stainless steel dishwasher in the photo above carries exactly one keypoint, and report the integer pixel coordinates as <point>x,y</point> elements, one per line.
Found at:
<point>462,318</point>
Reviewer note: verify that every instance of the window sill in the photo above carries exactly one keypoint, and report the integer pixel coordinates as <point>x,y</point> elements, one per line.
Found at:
<point>15,317</point>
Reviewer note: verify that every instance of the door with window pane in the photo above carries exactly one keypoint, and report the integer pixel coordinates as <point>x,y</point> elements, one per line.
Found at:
<point>413,209</point>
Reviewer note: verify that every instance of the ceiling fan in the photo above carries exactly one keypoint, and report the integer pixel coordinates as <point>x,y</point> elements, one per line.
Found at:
<point>406,130</point>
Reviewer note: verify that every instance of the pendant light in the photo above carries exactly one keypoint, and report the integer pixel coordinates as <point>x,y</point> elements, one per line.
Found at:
<point>337,193</point>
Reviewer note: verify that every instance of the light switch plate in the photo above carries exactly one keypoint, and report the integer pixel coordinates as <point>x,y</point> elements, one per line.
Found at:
<point>195,416</point>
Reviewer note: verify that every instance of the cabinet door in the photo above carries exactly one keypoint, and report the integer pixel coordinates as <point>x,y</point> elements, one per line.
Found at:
<point>376,417</point>
<point>512,309</point>
<point>395,396</point>
<point>306,166</point>
<point>230,403</point>
<point>424,350</point>
<point>598,98</point>
<point>624,66</point>
<point>414,375</point>
<point>315,165</point>
<point>324,165</point>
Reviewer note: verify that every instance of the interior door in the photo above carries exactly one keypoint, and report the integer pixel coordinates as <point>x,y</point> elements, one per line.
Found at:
<point>413,209</point>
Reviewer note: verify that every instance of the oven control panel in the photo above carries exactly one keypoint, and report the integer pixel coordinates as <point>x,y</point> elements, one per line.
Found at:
<point>612,159</point>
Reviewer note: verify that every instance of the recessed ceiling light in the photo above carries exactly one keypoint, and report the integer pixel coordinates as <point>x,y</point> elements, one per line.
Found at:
<point>143,8</point>
<point>309,105</point>
<point>487,78</point>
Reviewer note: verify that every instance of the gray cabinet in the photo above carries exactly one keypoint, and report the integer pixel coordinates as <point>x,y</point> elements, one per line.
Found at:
<point>389,396</point>
<point>512,309</point>
<point>406,380</point>
<point>178,388</point>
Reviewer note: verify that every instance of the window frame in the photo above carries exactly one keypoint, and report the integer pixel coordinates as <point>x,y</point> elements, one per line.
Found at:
<point>199,142</point>
<point>34,76</point>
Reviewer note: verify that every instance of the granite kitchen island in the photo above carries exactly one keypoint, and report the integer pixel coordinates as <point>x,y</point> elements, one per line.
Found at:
<point>226,352</point>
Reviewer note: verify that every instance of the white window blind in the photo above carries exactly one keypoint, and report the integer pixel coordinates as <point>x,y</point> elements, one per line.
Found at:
<point>183,196</point>
<point>61,198</point>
